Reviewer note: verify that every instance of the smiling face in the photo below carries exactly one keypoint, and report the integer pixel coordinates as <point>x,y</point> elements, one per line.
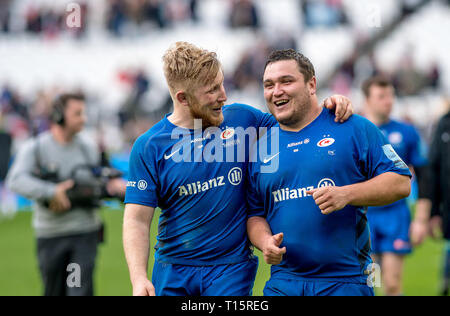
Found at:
<point>195,79</point>
<point>206,102</point>
<point>288,96</point>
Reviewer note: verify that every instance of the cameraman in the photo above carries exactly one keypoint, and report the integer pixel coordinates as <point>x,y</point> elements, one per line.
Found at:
<point>43,171</point>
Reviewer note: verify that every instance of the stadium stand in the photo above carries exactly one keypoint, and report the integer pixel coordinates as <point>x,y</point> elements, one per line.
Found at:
<point>115,57</point>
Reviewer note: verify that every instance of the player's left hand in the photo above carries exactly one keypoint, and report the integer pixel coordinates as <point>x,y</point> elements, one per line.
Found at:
<point>342,105</point>
<point>329,199</point>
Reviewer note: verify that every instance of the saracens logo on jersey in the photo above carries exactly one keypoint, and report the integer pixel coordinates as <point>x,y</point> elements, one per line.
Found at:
<point>227,134</point>
<point>326,142</point>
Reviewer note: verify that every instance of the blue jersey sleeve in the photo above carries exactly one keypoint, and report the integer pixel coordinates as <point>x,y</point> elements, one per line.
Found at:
<point>417,151</point>
<point>255,202</point>
<point>266,120</point>
<point>142,186</point>
<point>262,119</point>
<point>377,156</point>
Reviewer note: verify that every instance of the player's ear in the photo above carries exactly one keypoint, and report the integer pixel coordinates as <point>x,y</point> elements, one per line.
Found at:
<point>181,97</point>
<point>312,86</point>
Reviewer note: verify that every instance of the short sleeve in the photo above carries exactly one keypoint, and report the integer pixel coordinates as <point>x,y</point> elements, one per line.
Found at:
<point>255,202</point>
<point>142,185</point>
<point>417,150</point>
<point>378,156</point>
<point>266,120</point>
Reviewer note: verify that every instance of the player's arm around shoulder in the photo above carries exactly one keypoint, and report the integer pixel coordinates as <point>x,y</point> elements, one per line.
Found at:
<point>136,244</point>
<point>341,105</point>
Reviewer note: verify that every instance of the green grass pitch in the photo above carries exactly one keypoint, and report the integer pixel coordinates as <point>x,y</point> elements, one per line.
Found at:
<point>19,273</point>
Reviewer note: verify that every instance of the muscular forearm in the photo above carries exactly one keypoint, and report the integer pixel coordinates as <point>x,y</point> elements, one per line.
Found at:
<point>381,190</point>
<point>136,243</point>
<point>258,231</point>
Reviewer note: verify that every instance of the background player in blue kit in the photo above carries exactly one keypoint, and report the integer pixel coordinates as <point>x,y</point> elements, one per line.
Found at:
<point>390,224</point>
<point>202,246</point>
<point>319,244</point>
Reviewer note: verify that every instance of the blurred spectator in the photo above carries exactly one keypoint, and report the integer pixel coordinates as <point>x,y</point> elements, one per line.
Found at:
<point>408,6</point>
<point>116,17</point>
<point>434,76</point>
<point>285,40</point>
<point>155,13</point>
<point>250,68</point>
<point>40,112</point>
<point>193,4</point>
<point>12,104</point>
<point>249,71</point>
<point>344,78</point>
<point>407,79</point>
<point>243,14</point>
<point>123,14</point>
<point>327,13</point>
<point>5,6</point>
<point>5,145</point>
<point>33,20</point>
<point>177,11</point>
<point>139,84</point>
<point>136,10</point>
<point>440,189</point>
<point>7,204</point>
<point>52,22</point>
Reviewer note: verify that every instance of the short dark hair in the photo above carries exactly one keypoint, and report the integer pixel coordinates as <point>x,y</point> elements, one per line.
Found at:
<point>304,64</point>
<point>380,81</point>
<point>66,97</point>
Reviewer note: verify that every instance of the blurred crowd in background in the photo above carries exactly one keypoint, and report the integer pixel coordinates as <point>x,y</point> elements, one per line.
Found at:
<point>23,115</point>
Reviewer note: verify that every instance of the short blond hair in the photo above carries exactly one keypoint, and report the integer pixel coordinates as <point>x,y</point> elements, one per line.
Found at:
<point>189,66</point>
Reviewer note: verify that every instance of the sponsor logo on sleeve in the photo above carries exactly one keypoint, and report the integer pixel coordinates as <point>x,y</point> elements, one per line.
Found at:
<point>131,184</point>
<point>394,157</point>
<point>142,185</point>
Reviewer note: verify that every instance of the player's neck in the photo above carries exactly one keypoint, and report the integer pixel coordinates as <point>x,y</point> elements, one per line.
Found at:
<point>378,120</point>
<point>181,118</point>
<point>307,119</point>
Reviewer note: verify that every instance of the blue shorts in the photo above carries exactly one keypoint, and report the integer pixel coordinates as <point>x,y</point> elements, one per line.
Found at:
<point>389,230</point>
<point>217,280</point>
<point>293,287</point>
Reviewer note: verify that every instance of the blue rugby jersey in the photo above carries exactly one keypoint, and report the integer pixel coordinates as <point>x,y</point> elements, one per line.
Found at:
<point>201,192</point>
<point>324,153</point>
<point>406,141</point>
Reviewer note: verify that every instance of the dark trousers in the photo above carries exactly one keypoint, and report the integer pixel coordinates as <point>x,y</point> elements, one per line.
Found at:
<point>75,253</point>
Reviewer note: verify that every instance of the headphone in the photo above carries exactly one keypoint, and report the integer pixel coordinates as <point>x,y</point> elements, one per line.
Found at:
<point>57,113</point>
